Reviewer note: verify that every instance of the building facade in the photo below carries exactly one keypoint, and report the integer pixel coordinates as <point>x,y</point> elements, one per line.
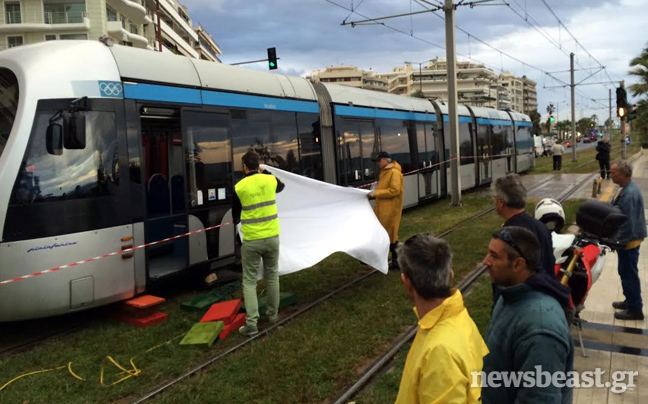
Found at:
<point>530,95</point>
<point>476,84</point>
<point>350,76</point>
<point>127,22</point>
<point>515,87</point>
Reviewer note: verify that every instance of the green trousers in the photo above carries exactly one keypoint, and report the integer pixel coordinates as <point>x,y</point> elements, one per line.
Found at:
<point>252,253</point>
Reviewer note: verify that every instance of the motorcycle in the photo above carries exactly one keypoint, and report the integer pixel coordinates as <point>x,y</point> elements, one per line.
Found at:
<point>580,258</point>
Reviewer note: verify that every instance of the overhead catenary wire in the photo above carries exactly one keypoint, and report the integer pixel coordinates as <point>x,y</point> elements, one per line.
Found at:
<point>546,73</point>
<point>578,43</point>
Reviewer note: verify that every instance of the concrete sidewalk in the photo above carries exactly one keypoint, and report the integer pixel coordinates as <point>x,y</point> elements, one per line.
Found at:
<point>615,345</point>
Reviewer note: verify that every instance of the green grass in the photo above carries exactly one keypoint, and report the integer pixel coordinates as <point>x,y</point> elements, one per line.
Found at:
<point>586,161</point>
<point>88,348</point>
<point>308,360</point>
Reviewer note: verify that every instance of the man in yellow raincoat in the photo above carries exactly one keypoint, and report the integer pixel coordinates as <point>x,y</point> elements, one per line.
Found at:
<point>389,200</point>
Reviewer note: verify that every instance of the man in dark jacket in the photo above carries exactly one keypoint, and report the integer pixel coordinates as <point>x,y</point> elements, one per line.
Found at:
<point>528,331</point>
<point>630,201</point>
<point>604,148</point>
<point>509,195</point>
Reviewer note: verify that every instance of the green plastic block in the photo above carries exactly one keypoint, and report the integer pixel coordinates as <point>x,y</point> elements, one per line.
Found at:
<point>203,334</point>
<point>285,300</point>
<point>201,303</point>
<point>204,302</point>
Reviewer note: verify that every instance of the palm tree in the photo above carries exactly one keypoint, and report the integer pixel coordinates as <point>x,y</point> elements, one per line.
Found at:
<point>640,69</point>
<point>640,88</point>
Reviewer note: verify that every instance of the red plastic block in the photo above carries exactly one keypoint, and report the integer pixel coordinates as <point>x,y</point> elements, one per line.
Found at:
<point>144,321</point>
<point>239,321</point>
<point>145,301</point>
<point>225,311</point>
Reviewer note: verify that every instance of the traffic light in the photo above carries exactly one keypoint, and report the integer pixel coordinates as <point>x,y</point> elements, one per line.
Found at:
<point>272,58</point>
<point>551,118</point>
<point>622,102</point>
<point>631,113</point>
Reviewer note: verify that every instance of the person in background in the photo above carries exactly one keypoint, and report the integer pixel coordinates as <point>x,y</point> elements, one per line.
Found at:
<point>448,346</point>
<point>630,201</point>
<point>557,150</point>
<point>528,327</point>
<point>255,208</point>
<point>604,148</point>
<point>389,200</point>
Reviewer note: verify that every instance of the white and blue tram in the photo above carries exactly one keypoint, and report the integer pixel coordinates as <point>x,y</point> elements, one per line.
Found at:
<point>106,147</point>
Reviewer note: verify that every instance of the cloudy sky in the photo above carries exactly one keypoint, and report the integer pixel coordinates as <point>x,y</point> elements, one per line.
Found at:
<point>308,35</point>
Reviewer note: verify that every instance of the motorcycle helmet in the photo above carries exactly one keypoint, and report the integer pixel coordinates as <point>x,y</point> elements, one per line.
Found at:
<point>550,212</point>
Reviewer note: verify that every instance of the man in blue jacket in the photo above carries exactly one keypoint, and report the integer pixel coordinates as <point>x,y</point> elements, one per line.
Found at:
<point>630,202</point>
<point>528,331</point>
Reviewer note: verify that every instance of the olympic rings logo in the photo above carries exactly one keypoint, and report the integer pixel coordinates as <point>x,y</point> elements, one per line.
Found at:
<point>110,89</point>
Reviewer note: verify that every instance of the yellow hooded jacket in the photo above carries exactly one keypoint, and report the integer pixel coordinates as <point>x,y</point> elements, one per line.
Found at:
<point>447,349</point>
<point>389,199</point>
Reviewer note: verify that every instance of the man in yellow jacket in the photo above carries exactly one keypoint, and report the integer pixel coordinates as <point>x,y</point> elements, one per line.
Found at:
<point>447,355</point>
<point>389,200</point>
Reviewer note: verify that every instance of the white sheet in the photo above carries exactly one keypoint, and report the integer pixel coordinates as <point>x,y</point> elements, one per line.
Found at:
<point>317,219</point>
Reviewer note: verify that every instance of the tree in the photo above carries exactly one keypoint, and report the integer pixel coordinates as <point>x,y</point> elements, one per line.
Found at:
<point>550,111</point>
<point>535,120</point>
<point>640,89</point>
<point>640,70</point>
<point>417,94</point>
<point>563,127</point>
<point>609,123</point>
<point>584,125</point>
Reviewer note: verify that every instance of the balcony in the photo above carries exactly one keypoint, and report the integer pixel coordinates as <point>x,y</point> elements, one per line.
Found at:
<point>134,10</point>
<point>187,49</point>
<point>119,32</point>
<point>48,21</point>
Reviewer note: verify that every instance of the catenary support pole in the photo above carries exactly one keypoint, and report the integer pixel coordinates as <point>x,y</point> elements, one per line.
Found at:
<point>573,106</point>
<point>453,120</point>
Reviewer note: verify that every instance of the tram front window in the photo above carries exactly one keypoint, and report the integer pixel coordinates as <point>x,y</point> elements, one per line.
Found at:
<point>8,105</point>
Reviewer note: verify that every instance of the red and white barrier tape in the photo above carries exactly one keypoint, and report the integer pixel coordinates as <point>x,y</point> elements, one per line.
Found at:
<point>127,250</point>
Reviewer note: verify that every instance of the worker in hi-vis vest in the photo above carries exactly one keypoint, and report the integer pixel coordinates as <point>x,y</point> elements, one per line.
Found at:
<point>255,207</point>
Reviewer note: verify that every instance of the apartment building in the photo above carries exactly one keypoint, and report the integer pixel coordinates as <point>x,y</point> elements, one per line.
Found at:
<point>515,86</point>
<point>127,22</point>
<point>350,76</point>
<point>529,95</point>
<point>476,84</point>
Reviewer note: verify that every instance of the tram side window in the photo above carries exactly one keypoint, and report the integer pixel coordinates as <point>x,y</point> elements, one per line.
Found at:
<point>524,140</point>
<point>272,134</point>
<point>498,141</point>
<point>310,149</point>
<point>8,105</point>
<point>75,174</point>
<point>466,143</point>
<point>73,192</point>
<point>394,140</point>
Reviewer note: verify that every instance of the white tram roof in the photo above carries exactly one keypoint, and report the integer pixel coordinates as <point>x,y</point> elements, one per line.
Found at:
<point>518,117</point>
<point>138,64</point>
<point>461,109</point>
<point>346,95</point>
<point>490,113</point>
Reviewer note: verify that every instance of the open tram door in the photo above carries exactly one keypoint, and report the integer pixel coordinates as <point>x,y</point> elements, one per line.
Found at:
<point>164,180</point>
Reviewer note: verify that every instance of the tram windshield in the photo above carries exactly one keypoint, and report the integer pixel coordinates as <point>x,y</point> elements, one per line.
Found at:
<point>8,105</point>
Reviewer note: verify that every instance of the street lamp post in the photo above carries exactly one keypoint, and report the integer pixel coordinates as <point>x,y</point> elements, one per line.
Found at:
<point>420,73</point>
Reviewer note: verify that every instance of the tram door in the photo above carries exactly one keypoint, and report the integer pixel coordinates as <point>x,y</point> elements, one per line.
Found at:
<point>484,160</point>
<point>429,147</point>
<point>164,177</point>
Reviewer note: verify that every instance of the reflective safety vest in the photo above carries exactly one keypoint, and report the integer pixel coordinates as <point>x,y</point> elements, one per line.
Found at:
<point>258,207</point>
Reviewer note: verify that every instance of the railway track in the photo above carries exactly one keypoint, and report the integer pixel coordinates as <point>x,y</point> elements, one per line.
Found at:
<point>385,358</point>
<point>465,286</point>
